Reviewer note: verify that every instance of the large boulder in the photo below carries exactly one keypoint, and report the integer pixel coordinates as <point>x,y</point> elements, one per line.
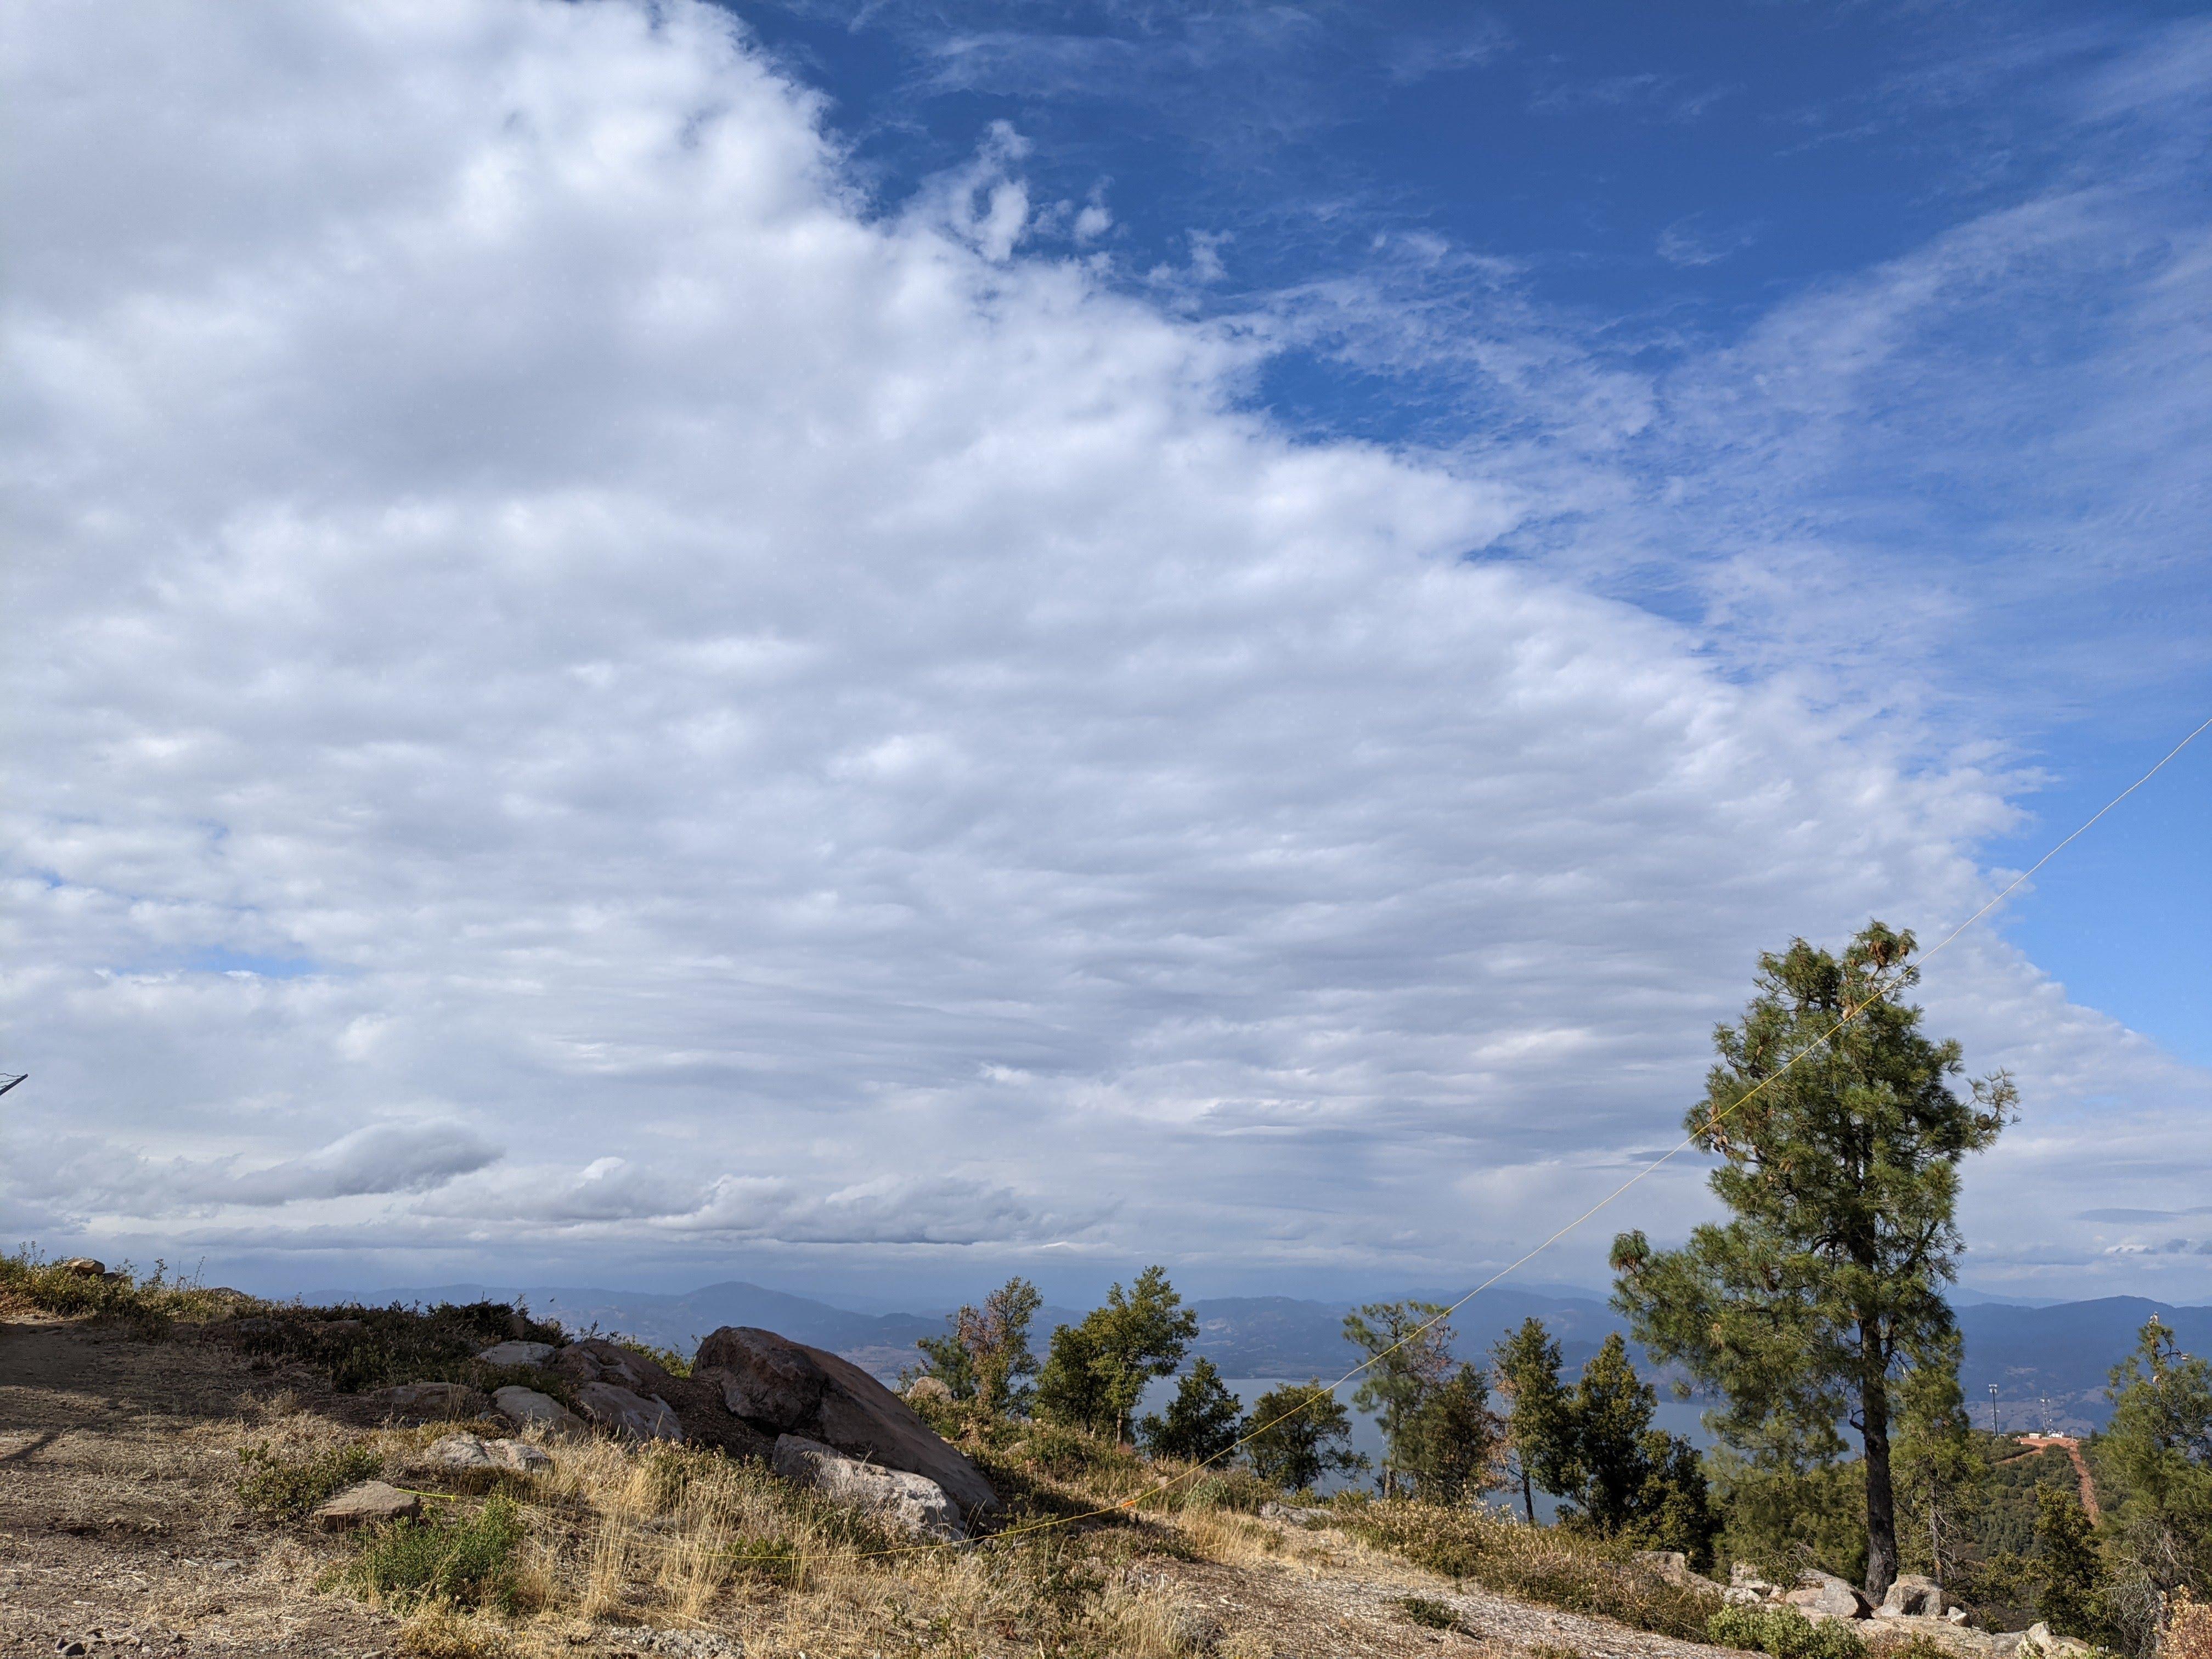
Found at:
<point>1912,1595</point>
<point>627,1394</point>
<point>906,1502</point>
<point>516,1352</point>
<point>1824,1596</point>
<point>780,1387</point>
<point>524,1406</point>
<point>626,1413</point>
<point>1673,1566</point>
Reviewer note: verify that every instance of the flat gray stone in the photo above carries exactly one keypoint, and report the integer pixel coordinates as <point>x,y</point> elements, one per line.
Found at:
<point>369,1503</point>
<point>517,1353</point>
<point>469,1451</point>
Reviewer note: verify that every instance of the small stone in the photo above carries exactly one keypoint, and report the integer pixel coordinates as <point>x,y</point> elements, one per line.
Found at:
<point>369,1503</point>
<point>517,1353</point>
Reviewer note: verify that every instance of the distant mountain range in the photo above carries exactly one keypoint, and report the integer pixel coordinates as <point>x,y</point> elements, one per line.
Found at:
<point>2050,1361</point>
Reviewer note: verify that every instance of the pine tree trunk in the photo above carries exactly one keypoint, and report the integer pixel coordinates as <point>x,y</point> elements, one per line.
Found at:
<point>1527,1495</point>
<point>1881,1497</point>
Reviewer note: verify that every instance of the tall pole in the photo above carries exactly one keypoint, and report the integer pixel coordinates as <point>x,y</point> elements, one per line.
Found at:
<point>1993,1408</point>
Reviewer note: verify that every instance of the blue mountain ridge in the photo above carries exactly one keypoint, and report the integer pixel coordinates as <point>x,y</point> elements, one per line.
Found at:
<point>2049,1362</point>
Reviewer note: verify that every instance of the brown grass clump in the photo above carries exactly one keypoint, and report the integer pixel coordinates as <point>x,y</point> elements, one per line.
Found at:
<point>1537,1563</point>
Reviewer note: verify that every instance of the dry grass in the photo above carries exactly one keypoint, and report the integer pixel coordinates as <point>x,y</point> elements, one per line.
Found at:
<point>1537,1563</point>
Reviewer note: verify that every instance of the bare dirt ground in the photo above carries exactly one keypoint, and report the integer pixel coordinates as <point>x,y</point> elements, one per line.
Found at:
<point>120,1530</point>
<point>117,1516</point>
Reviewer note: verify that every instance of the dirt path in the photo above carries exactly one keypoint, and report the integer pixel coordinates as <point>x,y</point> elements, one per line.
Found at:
<point>1335,1598</point>
<point>2072,1448</point>
<point>116,1513</point>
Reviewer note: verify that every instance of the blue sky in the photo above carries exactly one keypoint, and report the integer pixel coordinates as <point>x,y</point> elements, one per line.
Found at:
<point>1651,182</point>
<point>834,642</point>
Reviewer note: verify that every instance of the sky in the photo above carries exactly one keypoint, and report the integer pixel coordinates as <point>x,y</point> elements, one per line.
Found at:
<point>867,645</point>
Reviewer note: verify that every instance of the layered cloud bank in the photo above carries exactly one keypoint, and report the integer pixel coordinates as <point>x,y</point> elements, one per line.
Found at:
<point>581,689</point>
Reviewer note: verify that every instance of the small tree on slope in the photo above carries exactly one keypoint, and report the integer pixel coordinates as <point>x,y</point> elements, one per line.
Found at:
<point>1841,1175</point>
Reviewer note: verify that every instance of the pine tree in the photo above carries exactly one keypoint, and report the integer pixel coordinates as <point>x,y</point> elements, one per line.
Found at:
<point>2160,1445</point>
<point>1096,1372</point>
<point>1938,1470</point>
<point>985,1355</point>
<point>1623,1478</point>
<point>1300,1433</point>
<point>1450,1443</point>
<point>1203,1420</point>
<point>1537,1419</point>
<point>2070,1594</point>
<point>1410,1345</point>
<point>1841,1174</point>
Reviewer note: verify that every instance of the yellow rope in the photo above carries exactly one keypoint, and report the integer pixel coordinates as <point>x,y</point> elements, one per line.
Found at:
<point>1684,1145</point>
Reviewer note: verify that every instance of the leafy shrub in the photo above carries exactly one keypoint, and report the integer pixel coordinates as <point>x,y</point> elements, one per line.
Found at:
<point>360,1347</point>
<point>1576,1573</point>
<point>2188,1633</point>
<point>765,1560</point>
<point>469,1564</point>
<point>1422,1611</point>
<point>1785,1633</point>
<point>275,1484</point>
<point>1916,1647</point>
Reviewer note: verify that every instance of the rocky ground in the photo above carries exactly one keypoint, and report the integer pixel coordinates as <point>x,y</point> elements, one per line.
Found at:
<point>122,1530</point>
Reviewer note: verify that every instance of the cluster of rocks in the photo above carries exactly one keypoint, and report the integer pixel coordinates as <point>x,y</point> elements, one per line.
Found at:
<point>1824,1596</point>
<point>1916,1605</point>
<point>815,1418</point>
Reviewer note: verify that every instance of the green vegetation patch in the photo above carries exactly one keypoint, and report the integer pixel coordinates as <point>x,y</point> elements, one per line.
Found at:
<point>288,1484</point>
<point>1784,1632</point>
<point>466,1564</point>
<point>1433,1614</point>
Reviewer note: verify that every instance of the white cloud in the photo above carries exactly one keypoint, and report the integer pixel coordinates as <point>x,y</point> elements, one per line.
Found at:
<point>810,728</point>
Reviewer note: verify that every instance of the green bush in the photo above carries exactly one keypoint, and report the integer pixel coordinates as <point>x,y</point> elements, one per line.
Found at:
<point>1433,1614</point>
<point>469,1564</point>
<point>360,1347</point>
<point>1785,1633</point>
<point>275,1484</point>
